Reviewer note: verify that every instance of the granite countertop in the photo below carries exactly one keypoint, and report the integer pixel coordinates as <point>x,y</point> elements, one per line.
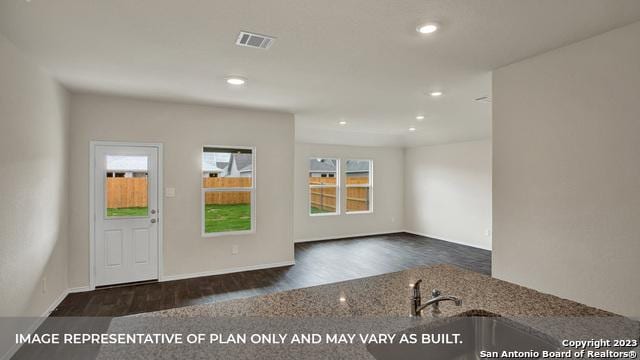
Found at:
<point>377,304</point>
<point>388,295</point>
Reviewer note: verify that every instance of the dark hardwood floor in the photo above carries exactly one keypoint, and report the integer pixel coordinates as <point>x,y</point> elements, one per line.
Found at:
<point>316,263</point>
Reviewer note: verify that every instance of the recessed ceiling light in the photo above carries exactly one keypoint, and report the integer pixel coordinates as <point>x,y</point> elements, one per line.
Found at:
<point>342,122</point>
<point>436,93</point>
<point>420,117</point>
<point>427,28</point>
<point>236,80</point>
<point>412,129</point>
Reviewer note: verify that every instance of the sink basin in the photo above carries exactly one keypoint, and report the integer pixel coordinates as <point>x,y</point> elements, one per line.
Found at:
<point>477,333</point>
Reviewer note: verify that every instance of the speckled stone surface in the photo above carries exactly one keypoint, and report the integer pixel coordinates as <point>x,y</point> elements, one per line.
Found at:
<point>374,304</point>
<point>388,294</point>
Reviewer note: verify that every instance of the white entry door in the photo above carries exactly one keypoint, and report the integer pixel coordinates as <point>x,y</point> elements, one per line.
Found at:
<point>126,229</point>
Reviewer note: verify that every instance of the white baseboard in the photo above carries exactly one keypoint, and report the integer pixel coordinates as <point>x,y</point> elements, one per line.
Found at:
<point>180,277</point>
<point>448,240</point>
<point>80,289</point>
<point>227,270</point>
<point>55,303</point>
<point>337,237</point>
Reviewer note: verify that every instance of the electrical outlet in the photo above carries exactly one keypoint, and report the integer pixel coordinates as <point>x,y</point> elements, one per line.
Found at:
<point>44,284</point>
<point>487,232</point>
<point>393,219</point>
<point>235,250</point>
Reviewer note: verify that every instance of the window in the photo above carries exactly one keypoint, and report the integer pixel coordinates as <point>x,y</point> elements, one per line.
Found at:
<point>359,186</point>
<point>324,185</point>
<point>228,190</point>
<point>126,186</point>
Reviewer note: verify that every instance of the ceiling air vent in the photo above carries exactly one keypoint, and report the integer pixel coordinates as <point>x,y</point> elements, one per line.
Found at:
<point>254,40</point>
<point>483,99</point>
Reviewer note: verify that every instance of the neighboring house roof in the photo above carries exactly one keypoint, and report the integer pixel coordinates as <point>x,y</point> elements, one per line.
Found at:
<point>243,162</point>
<point>209,163</point>
<point>126,163</point>
<point>325,165</point>
<point>357,166</point>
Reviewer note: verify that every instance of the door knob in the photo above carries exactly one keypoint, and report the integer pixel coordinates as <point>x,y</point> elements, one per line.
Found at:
<point>153,211</point>
<point>153,221</point>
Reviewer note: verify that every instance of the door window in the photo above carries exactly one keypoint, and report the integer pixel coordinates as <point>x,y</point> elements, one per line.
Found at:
<point>126,186</point>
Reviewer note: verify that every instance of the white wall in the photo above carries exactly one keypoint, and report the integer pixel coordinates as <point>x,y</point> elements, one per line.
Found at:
<point>388,185</point>
<point>33,186</point>
<point>448,192</point>
<point>567,171</point>
<point>184,129</point>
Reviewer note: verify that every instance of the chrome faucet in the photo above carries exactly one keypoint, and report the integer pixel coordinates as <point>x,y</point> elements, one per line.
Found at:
<point>436,298</point>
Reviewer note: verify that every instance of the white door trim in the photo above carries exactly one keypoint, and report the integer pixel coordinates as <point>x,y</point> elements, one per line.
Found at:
<point>92,210</point>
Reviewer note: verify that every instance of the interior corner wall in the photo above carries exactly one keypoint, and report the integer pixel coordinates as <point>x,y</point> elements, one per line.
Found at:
<point>184,129</point>
<point>566,180</point>
<point>387,215</point>
<point>448,192</point>
<point>33,186</point>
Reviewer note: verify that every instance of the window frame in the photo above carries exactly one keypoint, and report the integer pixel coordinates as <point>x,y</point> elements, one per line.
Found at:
<point>251,189</point>
<point>120,152</point>
<point>369,186</point>
<point>337,186</point>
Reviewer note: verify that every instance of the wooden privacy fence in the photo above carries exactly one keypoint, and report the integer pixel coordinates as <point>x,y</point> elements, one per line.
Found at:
<point>358,199</point>
<point>132,192</point>
<point>226,182</point>
<point>324,199</point>
<point>126,192</point>
<point>227,197</point>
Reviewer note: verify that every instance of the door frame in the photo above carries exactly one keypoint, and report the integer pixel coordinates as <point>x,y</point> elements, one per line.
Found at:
<point>92,203</point>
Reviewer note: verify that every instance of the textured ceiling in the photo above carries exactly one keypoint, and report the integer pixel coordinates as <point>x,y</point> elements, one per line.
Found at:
<point>355,60</point>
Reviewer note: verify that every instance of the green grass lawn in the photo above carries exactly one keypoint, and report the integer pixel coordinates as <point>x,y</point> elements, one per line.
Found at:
<point>219,218</point>
<point>133,211</point>
<point>317,210</point>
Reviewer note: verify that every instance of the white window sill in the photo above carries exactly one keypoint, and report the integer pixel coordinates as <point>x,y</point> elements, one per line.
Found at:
<point>227,233</point>
<point>359,212</point>
<point>325,214</point>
